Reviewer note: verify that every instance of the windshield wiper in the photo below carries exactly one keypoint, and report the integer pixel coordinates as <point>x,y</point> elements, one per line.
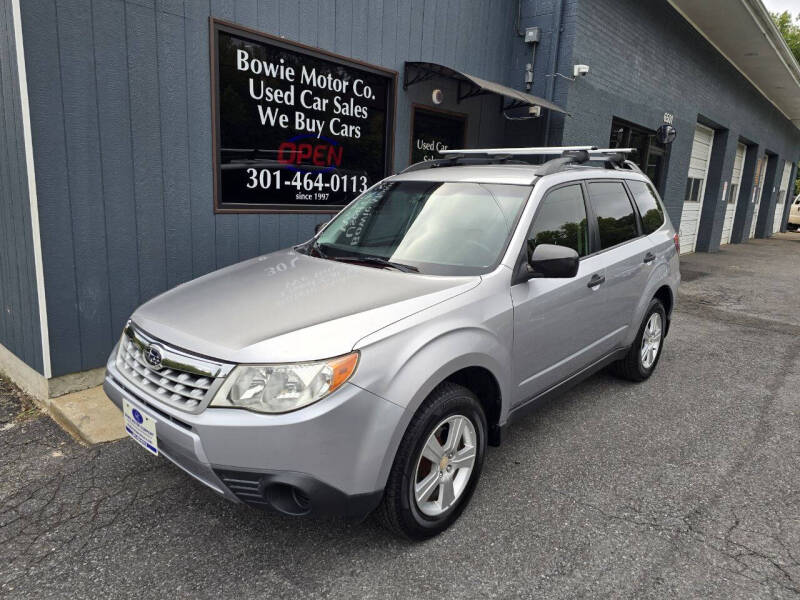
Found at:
<point>377,260</point>
<point>316,247</point>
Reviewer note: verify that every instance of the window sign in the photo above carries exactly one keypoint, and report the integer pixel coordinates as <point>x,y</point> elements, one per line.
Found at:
<point>296,129</point>
<point>433,130</point>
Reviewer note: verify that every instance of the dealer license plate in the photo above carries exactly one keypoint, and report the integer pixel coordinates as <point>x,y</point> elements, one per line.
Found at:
<point>140,427</point>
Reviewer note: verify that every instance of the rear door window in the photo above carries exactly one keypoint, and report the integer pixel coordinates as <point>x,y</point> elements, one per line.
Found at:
<point>649,207</point>
<point>616,219</point>
<point>561,220</point>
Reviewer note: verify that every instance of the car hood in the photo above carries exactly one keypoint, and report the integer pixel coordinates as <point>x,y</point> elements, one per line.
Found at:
<point>288,306</point>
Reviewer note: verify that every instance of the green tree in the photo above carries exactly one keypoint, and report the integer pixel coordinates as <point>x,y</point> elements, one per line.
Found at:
<point>789,27</point>
<point>790,30</point>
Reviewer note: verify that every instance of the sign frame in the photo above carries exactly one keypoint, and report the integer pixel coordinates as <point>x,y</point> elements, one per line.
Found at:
<point>219,25</point>
<point>464,117</point>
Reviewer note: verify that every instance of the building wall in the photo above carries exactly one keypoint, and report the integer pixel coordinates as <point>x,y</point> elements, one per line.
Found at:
<point>121,125</point>
<point>19,314</point>
<point>120,110</point>
<point>646,60</point>
<point>556,20</point>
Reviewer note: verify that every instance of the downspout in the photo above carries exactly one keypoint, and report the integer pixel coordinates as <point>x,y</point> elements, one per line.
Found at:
<point>558,19</point>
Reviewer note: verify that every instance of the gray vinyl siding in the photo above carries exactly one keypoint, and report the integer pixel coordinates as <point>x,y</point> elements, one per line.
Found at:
<point>645,60</point>
<point>19,311</point>
<point>121,120</point>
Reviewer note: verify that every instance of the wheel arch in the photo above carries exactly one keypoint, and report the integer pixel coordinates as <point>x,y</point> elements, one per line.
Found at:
<point>664,293</point>
<point>482,382</point>
<point>479,373</point>
<point>658,286</point>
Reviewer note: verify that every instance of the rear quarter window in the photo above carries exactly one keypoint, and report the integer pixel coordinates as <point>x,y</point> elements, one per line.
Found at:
<point>649,207</point>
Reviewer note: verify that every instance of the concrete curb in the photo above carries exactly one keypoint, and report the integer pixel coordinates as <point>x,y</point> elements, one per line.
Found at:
<point>88,416</point>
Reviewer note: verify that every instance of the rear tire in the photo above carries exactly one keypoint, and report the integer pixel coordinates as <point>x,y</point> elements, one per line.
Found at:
<point>643,355</point>
<point>424,496</point>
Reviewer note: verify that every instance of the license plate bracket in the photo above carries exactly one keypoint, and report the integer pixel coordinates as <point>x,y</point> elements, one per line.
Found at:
<point>141,427</point>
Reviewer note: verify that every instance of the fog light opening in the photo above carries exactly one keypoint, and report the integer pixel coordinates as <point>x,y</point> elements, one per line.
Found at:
<point>288,499</point>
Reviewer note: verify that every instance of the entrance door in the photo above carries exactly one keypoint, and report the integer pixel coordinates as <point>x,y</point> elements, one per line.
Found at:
<point>782,192</point>
<point>761,174</point>
<point>733,194</point>
<point>650,155</point>
<point>695,187</point>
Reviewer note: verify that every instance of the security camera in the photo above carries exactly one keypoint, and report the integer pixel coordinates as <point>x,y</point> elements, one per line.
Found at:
<point>580,70</point>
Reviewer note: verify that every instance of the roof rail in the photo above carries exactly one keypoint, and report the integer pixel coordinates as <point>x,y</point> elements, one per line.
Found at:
<point>615,158</point>
<point>632,166</point>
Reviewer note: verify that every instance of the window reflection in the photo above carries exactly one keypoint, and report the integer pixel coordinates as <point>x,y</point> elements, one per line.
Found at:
<point>561,220</point>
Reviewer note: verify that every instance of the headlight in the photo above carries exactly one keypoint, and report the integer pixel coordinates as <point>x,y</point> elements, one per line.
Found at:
<point>286,387</point>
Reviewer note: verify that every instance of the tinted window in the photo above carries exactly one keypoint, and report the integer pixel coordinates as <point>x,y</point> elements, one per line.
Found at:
<point>561,220</point>
<point>649,207</point>
<point>616,221</point>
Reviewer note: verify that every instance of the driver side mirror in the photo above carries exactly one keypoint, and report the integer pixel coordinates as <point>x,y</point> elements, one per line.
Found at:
<point>318,227</point>
<point>549,260</point>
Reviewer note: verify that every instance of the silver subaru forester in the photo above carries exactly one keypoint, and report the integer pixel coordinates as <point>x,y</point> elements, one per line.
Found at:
<point>367,369</point>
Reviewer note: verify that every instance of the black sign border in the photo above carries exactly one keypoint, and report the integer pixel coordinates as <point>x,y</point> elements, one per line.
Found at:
<point>217,25</point>
<point>435,110</point>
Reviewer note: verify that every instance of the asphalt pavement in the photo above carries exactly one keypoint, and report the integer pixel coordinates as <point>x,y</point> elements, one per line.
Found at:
<point>685,486</point>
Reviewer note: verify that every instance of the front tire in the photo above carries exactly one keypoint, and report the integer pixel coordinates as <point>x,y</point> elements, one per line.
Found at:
<point>643,355</point>
<point>437,465</point>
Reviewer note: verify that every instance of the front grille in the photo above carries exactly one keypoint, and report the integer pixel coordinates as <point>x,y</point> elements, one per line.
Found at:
<point>182,382</point>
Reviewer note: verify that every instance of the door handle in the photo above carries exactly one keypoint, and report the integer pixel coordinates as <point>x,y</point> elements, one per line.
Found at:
<point>649,257</point>
<point>596,280</point>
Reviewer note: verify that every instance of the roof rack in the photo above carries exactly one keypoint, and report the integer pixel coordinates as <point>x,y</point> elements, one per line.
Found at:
<point>453,161</point>
<point>615,158</point>
<point>532,151</point>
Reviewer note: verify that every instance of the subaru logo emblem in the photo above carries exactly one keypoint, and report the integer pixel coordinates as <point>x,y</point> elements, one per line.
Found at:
<point>153,357</point>
<point>137,416</point>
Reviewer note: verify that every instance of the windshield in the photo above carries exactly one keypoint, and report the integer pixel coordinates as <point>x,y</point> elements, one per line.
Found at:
<point>439,228</point>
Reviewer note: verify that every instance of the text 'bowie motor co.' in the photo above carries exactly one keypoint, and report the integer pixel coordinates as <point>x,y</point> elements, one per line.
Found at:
<point>299,121</point>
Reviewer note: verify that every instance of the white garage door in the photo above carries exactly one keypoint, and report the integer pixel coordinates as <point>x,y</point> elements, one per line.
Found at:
<point>782,191</point>
<point>733,194</point>
<point>761,174</point>
<point>695,187</point>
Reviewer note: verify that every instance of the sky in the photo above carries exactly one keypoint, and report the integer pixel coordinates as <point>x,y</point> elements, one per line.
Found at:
<point>778,6</point>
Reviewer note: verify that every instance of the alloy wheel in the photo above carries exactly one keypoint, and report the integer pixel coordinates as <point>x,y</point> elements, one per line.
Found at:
<point>651,340</point>
<point>444,466</point>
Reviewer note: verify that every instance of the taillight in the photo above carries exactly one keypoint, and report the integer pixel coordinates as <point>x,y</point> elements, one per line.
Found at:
<point>677,241</point>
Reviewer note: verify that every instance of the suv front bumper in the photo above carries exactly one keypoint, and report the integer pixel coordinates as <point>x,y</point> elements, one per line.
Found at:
<point>325,459</point>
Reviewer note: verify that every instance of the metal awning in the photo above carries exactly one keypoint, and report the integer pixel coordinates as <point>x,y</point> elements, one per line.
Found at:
<point>470,86</point>
<point>743,32</point>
